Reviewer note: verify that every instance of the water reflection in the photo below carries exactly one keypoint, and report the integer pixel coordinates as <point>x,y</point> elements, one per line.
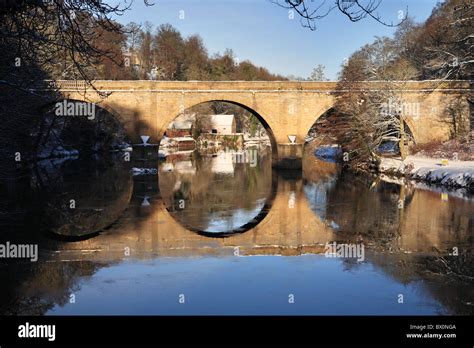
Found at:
<point>145,243</point>
<point>218,193</point>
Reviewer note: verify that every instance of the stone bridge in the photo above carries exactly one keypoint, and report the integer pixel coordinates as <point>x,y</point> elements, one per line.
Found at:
<point>287,109</point>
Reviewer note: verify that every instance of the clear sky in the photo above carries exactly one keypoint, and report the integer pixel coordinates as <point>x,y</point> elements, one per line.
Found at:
<point>263,32</point>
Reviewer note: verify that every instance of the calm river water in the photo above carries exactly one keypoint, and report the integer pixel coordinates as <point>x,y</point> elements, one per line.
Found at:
<point>223,233</point>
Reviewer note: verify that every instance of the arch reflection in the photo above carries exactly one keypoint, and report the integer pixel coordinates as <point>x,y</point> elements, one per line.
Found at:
<point>218,193</point>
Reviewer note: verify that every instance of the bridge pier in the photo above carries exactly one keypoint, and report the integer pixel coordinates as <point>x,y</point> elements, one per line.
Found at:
<point>288,156</point>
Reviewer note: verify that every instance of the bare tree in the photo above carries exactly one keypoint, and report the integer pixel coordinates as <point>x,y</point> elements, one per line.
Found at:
<point>457,117</point>
<point>355,10</point>
<point>318,73</point>
<point>450,45</point>
<point>372,118</point>
<point>61,37</point>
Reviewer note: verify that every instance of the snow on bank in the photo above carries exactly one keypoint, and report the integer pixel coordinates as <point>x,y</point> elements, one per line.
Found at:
<point>144,171</point>
<point>57,152</point>
<point>432,170</point>
<point>458,192</point>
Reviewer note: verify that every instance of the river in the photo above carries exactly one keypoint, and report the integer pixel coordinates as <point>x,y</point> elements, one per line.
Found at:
<point>223,233</point>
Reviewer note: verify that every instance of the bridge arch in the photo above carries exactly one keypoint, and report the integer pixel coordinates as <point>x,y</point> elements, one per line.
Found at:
<point>329,110</point>
<point>252,110</point>
<point>411,126</point>
<point>85,125</point>
<point>48,107</point>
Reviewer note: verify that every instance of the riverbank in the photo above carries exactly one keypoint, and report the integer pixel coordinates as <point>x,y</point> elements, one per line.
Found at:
<point>455,174</point>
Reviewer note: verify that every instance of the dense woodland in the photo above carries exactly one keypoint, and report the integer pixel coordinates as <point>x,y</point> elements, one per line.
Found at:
<point>162,53</point>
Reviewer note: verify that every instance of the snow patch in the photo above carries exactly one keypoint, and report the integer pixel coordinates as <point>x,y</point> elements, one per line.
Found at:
<point>144,171</point>
<point>432,170</point>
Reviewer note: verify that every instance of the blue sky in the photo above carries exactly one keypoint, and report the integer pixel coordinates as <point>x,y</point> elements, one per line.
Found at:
<point>263,33</point>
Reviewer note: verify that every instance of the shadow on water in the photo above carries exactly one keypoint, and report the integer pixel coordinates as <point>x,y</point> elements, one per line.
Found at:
<point>70,200</point>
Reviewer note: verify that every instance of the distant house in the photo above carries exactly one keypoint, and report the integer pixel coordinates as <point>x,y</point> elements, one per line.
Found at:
<point>223,124</point>
<point>182,126</point>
